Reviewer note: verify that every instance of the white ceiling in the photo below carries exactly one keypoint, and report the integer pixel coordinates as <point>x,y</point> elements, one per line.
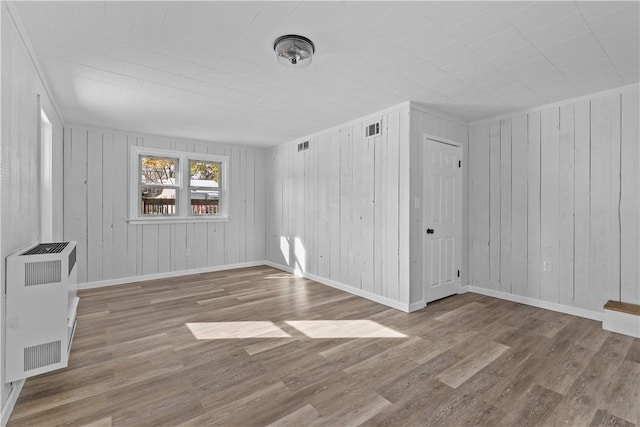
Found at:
<point>206,70</point>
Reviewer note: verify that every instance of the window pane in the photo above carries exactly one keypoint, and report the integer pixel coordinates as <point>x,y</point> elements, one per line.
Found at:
<point>204,174</point>
<point>158,201</point>
<point>158,170</point>
<point>205,202</point>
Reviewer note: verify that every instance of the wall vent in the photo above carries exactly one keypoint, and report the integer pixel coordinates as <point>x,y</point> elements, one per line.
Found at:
<point>373,129</point>
<point>41,355</point>
<point>72,259</point>
<point>303,146</point>
<point>42,272</point>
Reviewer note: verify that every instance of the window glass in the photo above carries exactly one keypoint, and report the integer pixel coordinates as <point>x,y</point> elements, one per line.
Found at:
<point>204,174</point>
<point>204,183</point>
<point>158,201</point>
<point>158,170</point>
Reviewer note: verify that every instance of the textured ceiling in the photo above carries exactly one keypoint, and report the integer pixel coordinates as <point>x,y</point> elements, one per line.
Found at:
<point>207,70</point>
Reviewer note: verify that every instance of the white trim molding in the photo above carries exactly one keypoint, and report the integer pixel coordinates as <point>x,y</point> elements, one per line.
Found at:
<point>7,408</point>
<point>407,308</point>
<point>561,308</point>
<point>158,276</point>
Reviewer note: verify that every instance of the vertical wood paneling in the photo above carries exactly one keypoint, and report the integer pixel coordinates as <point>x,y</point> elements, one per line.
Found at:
<point>259,206</point>
<point>76,197</point>
<point>368,211</point>
<point>351,203</point>
<point>392,206</point>
<point>232,229</point>
<point>533,205</point>
<point>311,206</point>
<point>96,212</point>
<point>355,266</point>
<point>379,193</point>
<point>346,168</point>
<point>134,244</point>
<point>120,257</point>
<point>297,207</point>
<point>250,242</point>
<point>108,190</point>
<point>566,205</point>
<point>583,288</point>
<point>333,179</point>
<point>605,193</point>
<point>150,240</point>
<point>506,180</point>
<point>404,206</point>
<point>324,190</point>
<point>519,201</point>
<point>568,202</point>
<point>479,177</point>
<point>94,205</point>
<point>549,202</point>
<point>494,205</point>
<point>630,203</point>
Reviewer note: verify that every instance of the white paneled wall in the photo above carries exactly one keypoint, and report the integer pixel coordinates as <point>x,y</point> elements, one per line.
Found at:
<point>109,247</point>
<point>20,156</point>
<point>425,123</point>
<point>554,202</point>
<point>342,210</point>
<point>334,208</point>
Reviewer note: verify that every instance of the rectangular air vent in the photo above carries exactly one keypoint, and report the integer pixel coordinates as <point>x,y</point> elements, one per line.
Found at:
<point>303,146</point>
<point>72,259</point>
<point>46,248</point>
<point>41,355</point>
<point>43,272</point>
<point>372,129</point>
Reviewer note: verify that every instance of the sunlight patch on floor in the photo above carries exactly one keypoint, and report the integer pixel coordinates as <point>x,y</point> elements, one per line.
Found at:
<point>344,329</point>
<point>235,330</point>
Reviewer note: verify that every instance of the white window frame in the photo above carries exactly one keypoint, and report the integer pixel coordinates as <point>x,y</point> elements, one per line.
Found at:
<point>183,209</point>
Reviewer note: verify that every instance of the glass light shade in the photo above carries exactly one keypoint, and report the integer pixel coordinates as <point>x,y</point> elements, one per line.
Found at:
<point>294,51</point>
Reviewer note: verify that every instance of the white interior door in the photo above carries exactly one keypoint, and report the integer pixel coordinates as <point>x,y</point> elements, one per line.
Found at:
<point>442,211</point>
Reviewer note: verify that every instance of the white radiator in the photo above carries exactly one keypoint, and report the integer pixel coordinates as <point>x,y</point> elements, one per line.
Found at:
<point>41,309</point>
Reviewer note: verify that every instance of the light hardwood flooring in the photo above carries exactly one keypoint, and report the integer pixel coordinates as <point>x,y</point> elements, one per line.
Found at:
<point>319,356</point>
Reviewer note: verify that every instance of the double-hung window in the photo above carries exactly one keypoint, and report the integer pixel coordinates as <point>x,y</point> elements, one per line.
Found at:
<point>177,186</point>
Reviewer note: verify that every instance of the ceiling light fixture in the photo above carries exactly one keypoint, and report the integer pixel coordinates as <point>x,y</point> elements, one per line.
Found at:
<point>294,51</point>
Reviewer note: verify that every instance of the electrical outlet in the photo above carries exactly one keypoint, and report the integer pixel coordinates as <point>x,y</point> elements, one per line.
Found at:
<point>547,266</point>
<point>187,252</point>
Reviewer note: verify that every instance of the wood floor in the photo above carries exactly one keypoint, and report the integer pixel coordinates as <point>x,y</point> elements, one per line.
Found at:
<point>172,353</point>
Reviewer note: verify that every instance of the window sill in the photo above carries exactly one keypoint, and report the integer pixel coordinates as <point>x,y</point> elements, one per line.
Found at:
<point>177,220</point>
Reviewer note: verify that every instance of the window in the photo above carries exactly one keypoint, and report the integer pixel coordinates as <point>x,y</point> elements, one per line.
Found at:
<point>176,186</point>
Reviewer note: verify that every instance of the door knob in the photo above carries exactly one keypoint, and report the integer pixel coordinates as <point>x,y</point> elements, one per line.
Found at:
<point>429,230</point>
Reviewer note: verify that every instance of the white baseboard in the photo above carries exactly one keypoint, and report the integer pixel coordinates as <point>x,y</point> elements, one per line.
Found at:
<point>350,289</point>
<point>7,408</point>
<point>417,306</point>
<point>622,323</point>
<point>567,309</point>
<point>169,274</point>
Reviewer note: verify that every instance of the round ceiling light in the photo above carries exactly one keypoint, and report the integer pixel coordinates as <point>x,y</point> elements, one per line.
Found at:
<point>294,51</point>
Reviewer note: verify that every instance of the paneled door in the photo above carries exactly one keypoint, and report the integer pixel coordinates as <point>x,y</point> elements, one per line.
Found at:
<point>442,225</point>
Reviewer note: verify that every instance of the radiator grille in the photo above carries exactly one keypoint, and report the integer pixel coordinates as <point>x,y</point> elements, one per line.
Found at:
<point>72,259</point>
<point>43,272</point>
<point>41,355</point>
<point>46,248</point>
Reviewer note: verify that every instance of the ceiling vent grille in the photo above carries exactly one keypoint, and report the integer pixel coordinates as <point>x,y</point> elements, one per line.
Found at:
<point>303,146</point>
<point>373,129</point>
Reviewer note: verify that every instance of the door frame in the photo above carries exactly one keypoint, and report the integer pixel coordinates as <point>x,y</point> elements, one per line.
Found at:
<point>461,208</point>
